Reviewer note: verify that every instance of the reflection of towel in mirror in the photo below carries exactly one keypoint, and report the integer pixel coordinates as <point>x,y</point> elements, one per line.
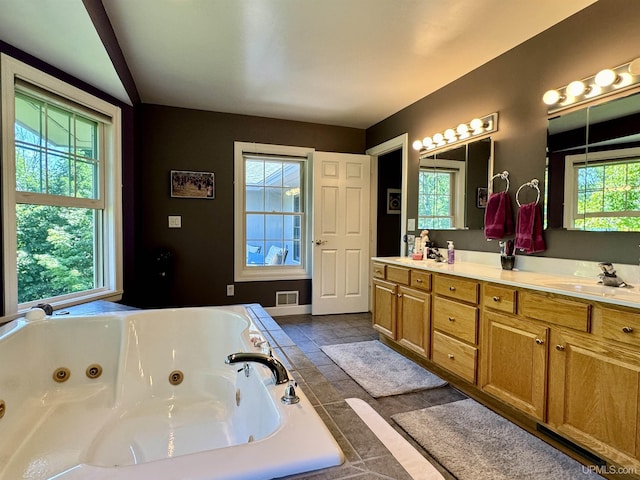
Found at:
<point>529,229</point>
<point>498,220</point>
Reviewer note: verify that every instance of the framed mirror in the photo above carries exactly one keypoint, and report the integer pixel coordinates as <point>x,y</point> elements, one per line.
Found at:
<point>452,186</point>
<point>593,167</point>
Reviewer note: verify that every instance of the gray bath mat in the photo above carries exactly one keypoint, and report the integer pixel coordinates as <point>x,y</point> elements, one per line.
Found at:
<point>472,442</point>
<point>380,370</point>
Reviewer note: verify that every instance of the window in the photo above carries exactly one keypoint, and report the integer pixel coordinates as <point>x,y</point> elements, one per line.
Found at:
<point>439,187</point>
<point>272,213</point>
<point>603,193</point>
<point>61,215</point>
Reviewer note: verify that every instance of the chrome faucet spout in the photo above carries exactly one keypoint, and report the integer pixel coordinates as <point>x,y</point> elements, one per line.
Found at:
<point>277,369</point>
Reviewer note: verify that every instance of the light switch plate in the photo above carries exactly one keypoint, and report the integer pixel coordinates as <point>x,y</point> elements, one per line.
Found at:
<point>175,221</point>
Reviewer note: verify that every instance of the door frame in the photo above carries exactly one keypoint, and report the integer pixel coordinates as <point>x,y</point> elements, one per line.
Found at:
<point>399,142</point>
<point>391,145</point>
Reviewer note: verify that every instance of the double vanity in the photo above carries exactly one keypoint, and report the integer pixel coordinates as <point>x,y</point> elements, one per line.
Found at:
<point>558,354</point>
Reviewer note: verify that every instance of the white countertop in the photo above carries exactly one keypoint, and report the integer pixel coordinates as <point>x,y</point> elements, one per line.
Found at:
<point>487,267</point>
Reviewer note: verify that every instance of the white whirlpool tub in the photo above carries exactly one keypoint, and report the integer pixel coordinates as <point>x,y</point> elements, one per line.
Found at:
<point>131,420</point>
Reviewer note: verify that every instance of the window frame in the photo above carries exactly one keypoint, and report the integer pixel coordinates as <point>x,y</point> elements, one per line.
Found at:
<point>458,186</point>
<point>572,162</point>
<point>243,273</point>
<point>109,232</point>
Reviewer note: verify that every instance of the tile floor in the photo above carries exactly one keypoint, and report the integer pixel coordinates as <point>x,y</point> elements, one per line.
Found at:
<point>297,340</point>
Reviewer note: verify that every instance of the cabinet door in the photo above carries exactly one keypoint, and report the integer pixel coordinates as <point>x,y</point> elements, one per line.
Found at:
<point>594,391</point>
<point>514,362</point>
<point>413,320</point>
<point>385,303</point>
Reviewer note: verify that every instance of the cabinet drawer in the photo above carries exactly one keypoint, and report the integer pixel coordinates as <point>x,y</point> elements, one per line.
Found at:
<point>559,311</point>
<point>455,356</point>
<point>456,319</point>
<point>453,287</point>
<point>398,274</point>
<point>499,298</point>
<point>379,270</point>
<point>421,280</point>
<point>619,325</point>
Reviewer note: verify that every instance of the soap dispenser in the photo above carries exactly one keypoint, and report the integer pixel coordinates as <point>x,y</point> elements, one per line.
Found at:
<point>451,252</point>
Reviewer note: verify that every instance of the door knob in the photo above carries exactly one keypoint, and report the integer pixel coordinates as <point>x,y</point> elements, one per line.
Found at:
<point>319,242</point>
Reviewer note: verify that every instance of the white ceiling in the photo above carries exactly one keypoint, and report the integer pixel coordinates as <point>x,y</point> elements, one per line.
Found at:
<point>340,62</point>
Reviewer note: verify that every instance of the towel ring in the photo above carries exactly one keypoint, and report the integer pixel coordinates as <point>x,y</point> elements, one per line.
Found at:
<point>533,184</point>
<point>504,176</point>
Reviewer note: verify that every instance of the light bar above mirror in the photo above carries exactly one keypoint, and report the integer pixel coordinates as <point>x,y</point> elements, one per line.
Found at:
<point>473,130</point>
<point>606,82</point>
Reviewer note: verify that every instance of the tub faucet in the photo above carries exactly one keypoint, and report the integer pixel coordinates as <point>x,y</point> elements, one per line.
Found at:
<point>279,372</point>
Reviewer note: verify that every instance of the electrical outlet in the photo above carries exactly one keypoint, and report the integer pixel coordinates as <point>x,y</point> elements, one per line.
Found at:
<point>230,290</point>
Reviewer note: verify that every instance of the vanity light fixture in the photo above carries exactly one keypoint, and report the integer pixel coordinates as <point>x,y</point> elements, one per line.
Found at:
<point>605,82</point>
<point>476,128</point>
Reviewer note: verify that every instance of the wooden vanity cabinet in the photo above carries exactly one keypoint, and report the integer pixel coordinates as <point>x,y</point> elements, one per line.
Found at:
<point>402,307</point>
<point>514,362</point>
<point>594,394</point>
<point>455,325</point>
<point>570,364</point>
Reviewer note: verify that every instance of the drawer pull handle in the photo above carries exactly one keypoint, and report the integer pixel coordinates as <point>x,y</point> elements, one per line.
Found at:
<point>418,280</point>
<point>560,348</point>
<point>627,330</point>
<point>496,299</point>
<point>539,341</point>
<point>452,288</point>
<point>452,319</point>
<point>450,355</point>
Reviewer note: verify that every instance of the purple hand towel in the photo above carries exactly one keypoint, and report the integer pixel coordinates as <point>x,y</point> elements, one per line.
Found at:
<point>529,229</point>
<point>498,220</point>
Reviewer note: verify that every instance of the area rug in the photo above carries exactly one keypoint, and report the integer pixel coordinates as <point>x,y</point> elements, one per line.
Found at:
<point>380,370</point>
<point>472,442</point>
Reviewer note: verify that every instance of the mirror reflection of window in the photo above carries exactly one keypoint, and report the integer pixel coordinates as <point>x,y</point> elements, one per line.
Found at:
<point>593,167</point>
<point>606,193</point>
<point>436,197</point>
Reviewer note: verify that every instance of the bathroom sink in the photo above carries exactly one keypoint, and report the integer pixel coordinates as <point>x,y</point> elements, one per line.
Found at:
<point>595,289</point>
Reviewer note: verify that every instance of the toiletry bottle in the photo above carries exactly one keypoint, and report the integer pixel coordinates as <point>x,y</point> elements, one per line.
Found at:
<point>451,252</point>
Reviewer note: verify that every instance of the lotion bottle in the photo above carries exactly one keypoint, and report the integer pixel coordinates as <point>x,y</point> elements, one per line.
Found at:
<point>451,252</point>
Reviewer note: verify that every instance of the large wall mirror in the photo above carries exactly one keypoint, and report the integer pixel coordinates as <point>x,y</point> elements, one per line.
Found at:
<point>593,167</point>
<point>452,186</point>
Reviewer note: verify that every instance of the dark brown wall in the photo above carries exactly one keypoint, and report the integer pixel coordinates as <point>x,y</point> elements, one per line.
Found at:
<point>604,35</point>
<point>203,249</point>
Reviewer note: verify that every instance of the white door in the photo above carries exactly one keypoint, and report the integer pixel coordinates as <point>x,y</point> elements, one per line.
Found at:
<point>340,233</point>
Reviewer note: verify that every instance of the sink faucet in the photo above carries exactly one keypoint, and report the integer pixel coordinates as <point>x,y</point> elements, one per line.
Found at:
<point>609,277</point>
<point>279,372</point>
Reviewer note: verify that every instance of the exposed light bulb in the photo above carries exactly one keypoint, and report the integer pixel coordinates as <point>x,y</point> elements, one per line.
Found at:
<point>417,145</point>
<point>450,134</point>
<point>427,142</point>
<point>462,129</point>
<point>551,97</point>
<point>476,125</point>
<point>605,78</point>
<point>576,88</point>
<point>438,138</point>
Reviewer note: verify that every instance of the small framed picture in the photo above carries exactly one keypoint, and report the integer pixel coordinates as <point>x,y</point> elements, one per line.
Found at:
<point>394,195</point>
<point>482,197</point>
<point>186,184</point>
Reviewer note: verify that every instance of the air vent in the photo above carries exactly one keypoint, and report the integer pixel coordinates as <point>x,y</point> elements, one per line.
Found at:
<point>286,298</point>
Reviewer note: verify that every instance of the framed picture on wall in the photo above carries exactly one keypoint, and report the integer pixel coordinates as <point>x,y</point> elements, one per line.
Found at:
<point>187,184</point>
<point>482,197</point>
<point>394,197</point>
